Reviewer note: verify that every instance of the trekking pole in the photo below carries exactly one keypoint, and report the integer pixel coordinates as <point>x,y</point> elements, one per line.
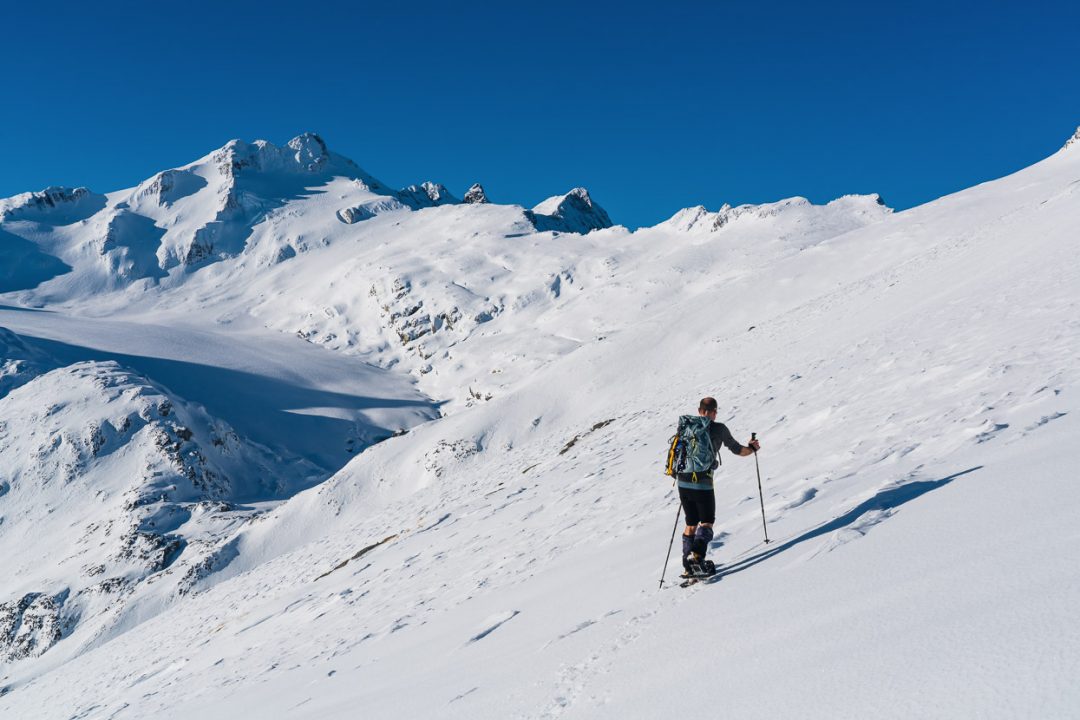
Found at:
<point>761,496</point>
<point>670,545</point>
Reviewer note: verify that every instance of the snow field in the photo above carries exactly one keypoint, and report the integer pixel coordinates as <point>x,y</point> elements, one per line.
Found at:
<point>913,383</point>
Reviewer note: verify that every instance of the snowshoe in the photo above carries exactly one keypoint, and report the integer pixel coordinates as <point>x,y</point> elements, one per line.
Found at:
<point>699,569</point>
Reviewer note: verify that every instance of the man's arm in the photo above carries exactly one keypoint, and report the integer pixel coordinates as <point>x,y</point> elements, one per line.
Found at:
<point>733,445</point>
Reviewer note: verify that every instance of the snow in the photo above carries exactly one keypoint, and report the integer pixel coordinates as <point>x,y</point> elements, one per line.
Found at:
<point>912,377</point>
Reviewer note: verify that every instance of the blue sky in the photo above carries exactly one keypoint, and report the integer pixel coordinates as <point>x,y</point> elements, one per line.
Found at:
<point>652,106</point>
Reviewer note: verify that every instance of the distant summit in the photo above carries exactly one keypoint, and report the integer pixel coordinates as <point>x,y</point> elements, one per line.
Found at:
<point>305,153</point>
<point>475,195</point>
<point>54,205</point>
<point>426,194</point>
<point>573,212</point>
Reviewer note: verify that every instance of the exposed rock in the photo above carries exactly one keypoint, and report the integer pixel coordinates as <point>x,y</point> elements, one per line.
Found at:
<point>728,214</point>
<point>310,151</point>
<point>53,205</point>
<point>446,453</point>
<point>475,195</point>
<point>212,563</point>
<point>29,626</point>
<point>573,212</point>
<point>368,210</point>
<point>305,153</point>
<point>168,186</point>
<point>1074,140</point>
<point>427,194</point>
<point>150,551</point>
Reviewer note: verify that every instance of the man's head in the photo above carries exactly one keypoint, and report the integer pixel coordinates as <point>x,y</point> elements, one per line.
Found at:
<point>707,407</point>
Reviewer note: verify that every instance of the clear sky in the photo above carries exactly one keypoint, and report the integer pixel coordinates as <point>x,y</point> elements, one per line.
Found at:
<point>652,106</point>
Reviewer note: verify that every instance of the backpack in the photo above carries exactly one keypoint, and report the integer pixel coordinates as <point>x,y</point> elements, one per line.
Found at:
<point>691,449</point>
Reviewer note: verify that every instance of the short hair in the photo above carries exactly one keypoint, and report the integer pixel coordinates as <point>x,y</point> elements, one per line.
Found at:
<point>707,404</point>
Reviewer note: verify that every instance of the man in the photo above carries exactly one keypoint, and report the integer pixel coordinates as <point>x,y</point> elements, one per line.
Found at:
<point>696,493</point>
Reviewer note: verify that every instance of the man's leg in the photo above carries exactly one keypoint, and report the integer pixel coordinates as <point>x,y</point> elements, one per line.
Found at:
<point>699,544</point>
<point>703,534</point>
<point>690,508</point>
<point>688,545</point>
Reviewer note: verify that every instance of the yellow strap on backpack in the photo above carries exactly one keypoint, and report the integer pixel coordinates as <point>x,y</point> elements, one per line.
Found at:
<point>670,470</point>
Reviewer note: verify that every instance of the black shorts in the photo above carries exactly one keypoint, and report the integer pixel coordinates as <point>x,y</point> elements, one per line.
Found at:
<point>699,505</point>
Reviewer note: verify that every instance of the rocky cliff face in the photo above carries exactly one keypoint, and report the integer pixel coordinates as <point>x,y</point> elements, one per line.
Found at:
<point>426,194</point>
<point>475,195</point>
<point>29,626</point>
<point>573,212</point>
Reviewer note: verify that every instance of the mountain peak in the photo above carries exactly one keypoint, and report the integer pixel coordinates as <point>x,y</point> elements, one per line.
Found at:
<point>311,151</point>
<point>475,195</point>
<point>426,194</point>
<point>306,153</point>
<point>573,212</point>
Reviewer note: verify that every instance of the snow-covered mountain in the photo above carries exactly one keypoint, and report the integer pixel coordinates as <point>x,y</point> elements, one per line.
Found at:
<point>278,440</point>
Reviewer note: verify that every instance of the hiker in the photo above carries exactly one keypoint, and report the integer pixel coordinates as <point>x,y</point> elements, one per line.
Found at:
<point>696,488</point>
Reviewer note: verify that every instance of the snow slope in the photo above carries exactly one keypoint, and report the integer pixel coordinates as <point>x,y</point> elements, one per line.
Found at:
<point>913,378</point>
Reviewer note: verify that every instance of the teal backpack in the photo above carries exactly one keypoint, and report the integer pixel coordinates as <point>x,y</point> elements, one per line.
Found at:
<point>691,449</point>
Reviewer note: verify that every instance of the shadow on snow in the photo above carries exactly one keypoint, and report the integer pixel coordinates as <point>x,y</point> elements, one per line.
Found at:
<point>886,499</point>
<point>259,407</point>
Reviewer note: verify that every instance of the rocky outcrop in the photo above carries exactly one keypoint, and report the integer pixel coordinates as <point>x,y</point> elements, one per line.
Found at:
<point>307,154</point>
<point>127,486</point>
<point>426,194</point>
<point>30,626</point>
<point>475,195</point>
<point>54,205</point>
<point>368,210</point>
<point>167,187</point>
<point>573,212</point>
<point>1074,140</point>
